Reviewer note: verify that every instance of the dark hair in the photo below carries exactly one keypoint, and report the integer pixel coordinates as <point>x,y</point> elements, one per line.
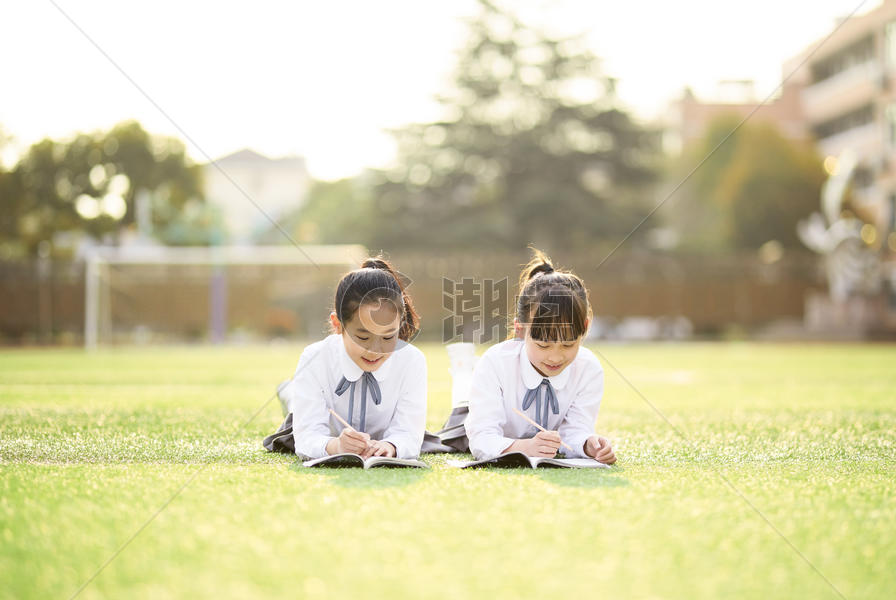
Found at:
<point>554,303</point>
<point>376,280</point>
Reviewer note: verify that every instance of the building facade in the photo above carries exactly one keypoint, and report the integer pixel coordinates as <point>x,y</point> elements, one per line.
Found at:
<point>236,183</point>
<point>849,101</point>
<point>690,116</point>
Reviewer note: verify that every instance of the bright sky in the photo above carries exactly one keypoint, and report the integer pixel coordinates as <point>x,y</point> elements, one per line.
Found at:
<point>324,79</point>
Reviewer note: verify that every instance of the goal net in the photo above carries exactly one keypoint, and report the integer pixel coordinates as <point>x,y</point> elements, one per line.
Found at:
<point>216,294</point>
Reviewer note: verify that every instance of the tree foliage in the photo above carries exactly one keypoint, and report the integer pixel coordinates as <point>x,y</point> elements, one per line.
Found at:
<point>533,148</point>
<point>89,184</point>
<point>752,189</point>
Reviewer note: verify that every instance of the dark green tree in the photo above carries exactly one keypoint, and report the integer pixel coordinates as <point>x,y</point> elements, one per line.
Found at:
<point>10,199</point>
<point>533,148</point>
<point>90,184</point>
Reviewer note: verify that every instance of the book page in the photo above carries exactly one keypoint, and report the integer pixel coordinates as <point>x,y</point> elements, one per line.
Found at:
<point>575,463</point>
<point>336,460</point>
<point>388,461</point>
<point>509,460</point>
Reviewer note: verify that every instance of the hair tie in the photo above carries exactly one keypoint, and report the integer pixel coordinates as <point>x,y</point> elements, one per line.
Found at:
<point>542,268</point>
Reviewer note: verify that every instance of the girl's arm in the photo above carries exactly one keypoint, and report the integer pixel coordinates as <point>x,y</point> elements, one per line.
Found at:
<point>578,423</point>
<point>310,418</point>
<point>405,431</point>
<point>485,423</point>
<point>545,444</point>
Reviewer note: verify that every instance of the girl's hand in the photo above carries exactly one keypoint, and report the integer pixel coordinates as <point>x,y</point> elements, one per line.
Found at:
<point>544,445</point>
<point>598,448</point>
<point>352,441</point>
<point>379,448</point>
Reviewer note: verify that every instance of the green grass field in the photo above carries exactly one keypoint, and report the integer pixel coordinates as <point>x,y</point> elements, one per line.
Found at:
<point>92,445</point>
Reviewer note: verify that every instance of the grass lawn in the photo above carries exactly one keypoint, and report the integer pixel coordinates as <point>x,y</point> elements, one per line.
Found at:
<point>92,445</point>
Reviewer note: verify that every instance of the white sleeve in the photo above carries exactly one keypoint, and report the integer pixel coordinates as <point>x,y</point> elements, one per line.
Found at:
<point>578,423</point>
<point>308,401</point>
<point>485,423</point>
<point>405,431</point>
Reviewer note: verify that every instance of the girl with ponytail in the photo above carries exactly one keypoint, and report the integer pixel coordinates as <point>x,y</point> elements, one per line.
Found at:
<point>543,371</point>
<point>366,371</point>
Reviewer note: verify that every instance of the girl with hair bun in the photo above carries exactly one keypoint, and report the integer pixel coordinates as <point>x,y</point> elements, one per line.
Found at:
<point>542,370</point>
<point>366,371</point>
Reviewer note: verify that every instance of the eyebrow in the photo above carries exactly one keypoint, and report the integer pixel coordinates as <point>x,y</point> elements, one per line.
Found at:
<point>362,330</point>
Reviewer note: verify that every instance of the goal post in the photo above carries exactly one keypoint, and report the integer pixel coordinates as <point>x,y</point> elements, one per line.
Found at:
<point>176,293</point>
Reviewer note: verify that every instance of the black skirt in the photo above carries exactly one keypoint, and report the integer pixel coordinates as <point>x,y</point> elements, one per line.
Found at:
<point>282,439</point>
<point>452,437</point>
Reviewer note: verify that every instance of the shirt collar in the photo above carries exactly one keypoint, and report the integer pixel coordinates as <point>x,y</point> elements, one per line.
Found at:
<point>532,378</point>
<point>351,371</point>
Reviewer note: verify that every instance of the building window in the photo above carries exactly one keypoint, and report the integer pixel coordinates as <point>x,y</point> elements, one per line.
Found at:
<point>856,54</point>
<point>850,120</point>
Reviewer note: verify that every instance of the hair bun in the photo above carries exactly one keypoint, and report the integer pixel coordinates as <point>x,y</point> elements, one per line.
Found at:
<point>542,268</point>
<point>375,263</point>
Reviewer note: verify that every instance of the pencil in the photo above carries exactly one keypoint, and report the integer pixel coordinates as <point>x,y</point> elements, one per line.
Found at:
<point>523,415</point>
<point>341,420</point>
<point>344,422</point>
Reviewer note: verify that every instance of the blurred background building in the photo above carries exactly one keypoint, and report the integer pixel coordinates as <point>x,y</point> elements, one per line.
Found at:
<point>276,185</point>
<point>688,118</point>
<point>849,102</point>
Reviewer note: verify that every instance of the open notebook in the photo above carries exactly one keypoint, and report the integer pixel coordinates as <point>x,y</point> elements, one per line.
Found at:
<point>518,459</point>
<point>355,460</point>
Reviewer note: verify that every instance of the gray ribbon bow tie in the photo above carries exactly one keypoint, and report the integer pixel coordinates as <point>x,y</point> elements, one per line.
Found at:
<point>550,405</point>
<point>367,381</point>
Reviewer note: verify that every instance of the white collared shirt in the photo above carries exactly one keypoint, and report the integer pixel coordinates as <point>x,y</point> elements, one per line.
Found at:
<point>501,379</point>
<point>400,418</point>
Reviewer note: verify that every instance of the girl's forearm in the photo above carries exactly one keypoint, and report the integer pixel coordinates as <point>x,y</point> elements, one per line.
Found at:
<point>514,447</point>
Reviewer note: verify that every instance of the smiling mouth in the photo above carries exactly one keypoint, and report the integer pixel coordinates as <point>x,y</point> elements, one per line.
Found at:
<point>552,367</point>
<point>371,362</point>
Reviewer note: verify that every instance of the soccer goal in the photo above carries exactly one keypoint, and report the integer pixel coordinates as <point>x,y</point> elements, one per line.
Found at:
<point>151,294</point>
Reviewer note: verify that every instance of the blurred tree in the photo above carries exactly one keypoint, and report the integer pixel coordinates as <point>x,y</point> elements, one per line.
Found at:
<point>335,212</point>
<point>694,211</point>
<point>197,223</point>
<point>10,199</point>
<point>771,184</point>
<point>533,148</point>
<point>90,184</point>
<point>753,189</point>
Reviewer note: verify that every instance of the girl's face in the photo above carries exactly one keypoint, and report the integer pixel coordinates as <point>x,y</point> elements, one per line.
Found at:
<point>371,334</point>
<point>549,358</point>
